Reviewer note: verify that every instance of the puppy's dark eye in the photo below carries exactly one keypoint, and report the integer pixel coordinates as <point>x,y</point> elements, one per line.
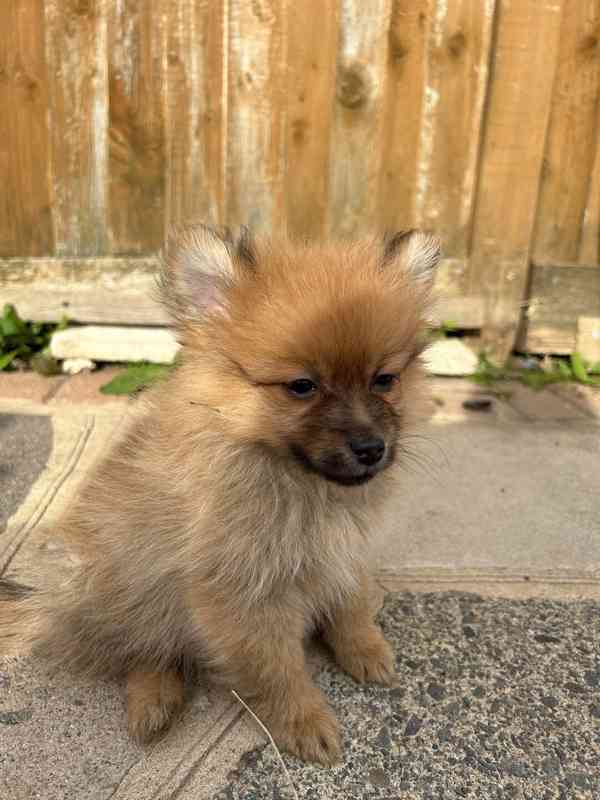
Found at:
<point>302,387</point>
<point>383,382</point>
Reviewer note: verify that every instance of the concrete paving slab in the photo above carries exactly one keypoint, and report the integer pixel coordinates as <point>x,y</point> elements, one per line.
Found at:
<point>60,739</point>
<point>470,403</point>
<point>28,386</point>
<point>194,758</point>
<point>586,398</point>
<point>78,439</point>
<point>496,699</point>
<point>85,388</point>
<point>26,447</point>
<point>541,405</point>
<point>510,499</point>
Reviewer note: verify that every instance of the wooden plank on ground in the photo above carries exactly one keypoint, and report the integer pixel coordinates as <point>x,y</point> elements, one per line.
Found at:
<point>256,113</point>
<point>457,61</point>
<point>108,290</point>
<point>572,135</point>
<point>512,153</point>
<point>404,95</point>
<point>136,140</point>
<point>453,304</point>
<point>122,291</point>
<point>559,295</point>
<point>196,110</point>
<point>357,137</point>
<point>25,222</point>
<point>77,73</point>
<point>588,339</point>
<point>311,57</point>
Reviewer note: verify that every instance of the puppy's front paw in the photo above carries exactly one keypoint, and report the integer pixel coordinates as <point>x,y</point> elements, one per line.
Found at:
<point>367,657</point>
<point>313,735</point>
<point>153,699</point>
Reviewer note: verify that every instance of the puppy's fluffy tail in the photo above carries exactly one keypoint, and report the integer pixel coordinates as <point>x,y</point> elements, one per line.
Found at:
<point>90,632</point>
<point>49,623</point>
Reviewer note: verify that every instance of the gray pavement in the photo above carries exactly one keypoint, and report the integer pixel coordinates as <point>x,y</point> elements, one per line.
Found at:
<point>499,686</point>
<point>26,445</point>
<point>504,499</point>
<point>496,698</point>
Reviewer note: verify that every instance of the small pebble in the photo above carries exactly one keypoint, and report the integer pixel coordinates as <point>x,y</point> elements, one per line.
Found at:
<point>477,404</point>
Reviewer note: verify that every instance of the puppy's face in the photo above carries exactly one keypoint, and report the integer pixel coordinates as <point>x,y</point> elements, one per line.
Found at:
<point>345,430</point>
<point>312,351</point>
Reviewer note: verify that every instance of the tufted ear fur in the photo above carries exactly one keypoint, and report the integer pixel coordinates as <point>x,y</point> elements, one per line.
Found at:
<point>414,252</point>
<point>199,263</point>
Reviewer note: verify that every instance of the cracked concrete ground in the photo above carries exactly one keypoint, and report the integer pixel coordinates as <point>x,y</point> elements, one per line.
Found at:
<point>491,564</point>
<point>496,698</point>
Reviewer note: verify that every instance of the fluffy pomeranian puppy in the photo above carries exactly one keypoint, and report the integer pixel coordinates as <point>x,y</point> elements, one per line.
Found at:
<point>234,517</point>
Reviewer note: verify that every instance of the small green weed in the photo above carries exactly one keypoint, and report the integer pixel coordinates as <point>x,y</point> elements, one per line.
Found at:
<point>446,329</point>
<point>26,343</point>
<point>573,369</point>
<point>136,377</point>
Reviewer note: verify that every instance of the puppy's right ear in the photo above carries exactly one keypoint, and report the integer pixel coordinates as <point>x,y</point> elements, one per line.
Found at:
<point>415,253</point>
<point>199,264</point>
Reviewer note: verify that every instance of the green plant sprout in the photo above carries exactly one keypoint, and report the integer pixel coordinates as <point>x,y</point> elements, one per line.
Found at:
<point>26,343</point>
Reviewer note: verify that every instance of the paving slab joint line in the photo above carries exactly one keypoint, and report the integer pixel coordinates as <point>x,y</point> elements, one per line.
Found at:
<point>170,785</point>
<point>26,528</point>
<point>199,761</point>
<point>55,388</point>
<point>487,575</point>
<point>569,399</point>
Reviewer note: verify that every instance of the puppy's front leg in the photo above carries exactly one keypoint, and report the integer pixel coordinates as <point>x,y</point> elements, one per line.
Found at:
<point>153,699</point>
<point>357,642</point>
<point>261,655</point>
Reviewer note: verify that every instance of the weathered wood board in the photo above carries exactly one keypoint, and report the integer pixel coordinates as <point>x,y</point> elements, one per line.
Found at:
<point>136,126</point>
<point>195,110</point>
<point>512,156</point>
<point>572,136</point>
<point>478,119</point>
<point>313,30</point>
<point>122,291</point>
<point>76,56</point>
<point>559,295</point>
<point>357,130</point>
<point>25,195</point>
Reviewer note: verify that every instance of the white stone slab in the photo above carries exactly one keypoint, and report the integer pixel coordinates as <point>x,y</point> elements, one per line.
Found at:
<point>118,344</point>
<point>450,357</point>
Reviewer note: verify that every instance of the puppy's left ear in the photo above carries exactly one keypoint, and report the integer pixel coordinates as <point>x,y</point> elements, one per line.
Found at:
<point>414,252</point>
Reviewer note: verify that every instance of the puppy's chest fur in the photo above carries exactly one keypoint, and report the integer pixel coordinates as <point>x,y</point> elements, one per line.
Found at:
<point>281,538</point>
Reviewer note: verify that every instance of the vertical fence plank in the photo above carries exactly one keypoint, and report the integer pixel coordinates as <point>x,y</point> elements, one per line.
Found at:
<point>357,135</point>
<point>457,70</point>
<point>311,59</point>
<point>76,52</point>
<point>572,135</point>
<point>404,96</point>
<point>25,222</point>
<point>136,141</point>
<point>512,153</point>
<point>196,109</point>
<point>256,113</point>
<point>589,252</point>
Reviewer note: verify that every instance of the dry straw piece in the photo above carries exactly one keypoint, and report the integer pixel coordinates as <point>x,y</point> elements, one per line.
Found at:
<point>266,731</point>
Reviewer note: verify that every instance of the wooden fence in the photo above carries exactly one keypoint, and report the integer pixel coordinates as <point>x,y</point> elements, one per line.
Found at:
<point>475,118</point>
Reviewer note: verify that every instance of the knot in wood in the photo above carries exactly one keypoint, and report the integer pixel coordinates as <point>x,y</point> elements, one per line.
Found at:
<point>352,85</point>
<point>456,44</point>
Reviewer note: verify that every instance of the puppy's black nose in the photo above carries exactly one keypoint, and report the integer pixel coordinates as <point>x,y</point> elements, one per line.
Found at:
<point>368,451</point>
